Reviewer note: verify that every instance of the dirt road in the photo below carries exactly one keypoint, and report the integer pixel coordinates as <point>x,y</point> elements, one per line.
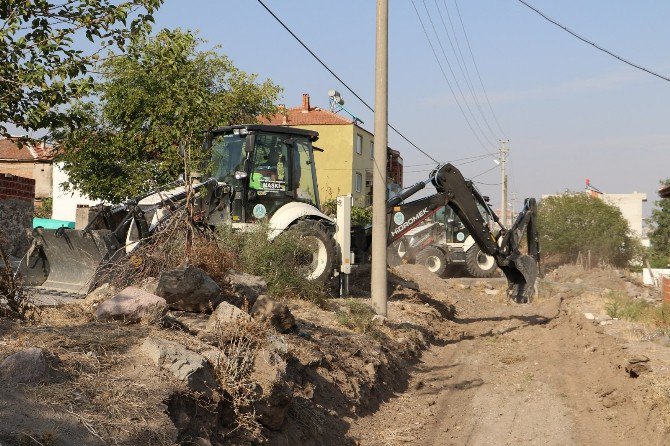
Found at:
<point>509,374</point>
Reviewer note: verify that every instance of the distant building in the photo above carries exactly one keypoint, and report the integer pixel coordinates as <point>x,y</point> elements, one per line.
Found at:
<point>34,161</point>
<point>345,165</point>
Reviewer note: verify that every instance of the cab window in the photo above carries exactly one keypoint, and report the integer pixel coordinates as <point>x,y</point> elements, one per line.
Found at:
<point>270,167</point>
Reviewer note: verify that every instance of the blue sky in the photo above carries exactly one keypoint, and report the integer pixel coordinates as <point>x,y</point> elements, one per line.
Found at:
<point>569,111</point>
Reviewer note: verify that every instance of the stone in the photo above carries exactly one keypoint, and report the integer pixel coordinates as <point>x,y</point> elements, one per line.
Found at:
<point>637,365</point>
<point>378,319</point>
<point>491,292</point>
<point>132,305</point>
<point>189,289</point>
<point>184,364</point>
<point>638,359</point>
<point>589,316</point>
<point>464,286</point>
<point>103,292</point>
<point>603,318</point>
<point>194,323</point>
<point>225,314</point>
<point>275,394</point>
<point>277,314</point>
<point>26,366</point>
<point>578,281</point>
<point>244,289</point>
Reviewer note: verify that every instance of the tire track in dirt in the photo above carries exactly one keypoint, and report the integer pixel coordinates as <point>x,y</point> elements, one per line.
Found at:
<point>535,374</point>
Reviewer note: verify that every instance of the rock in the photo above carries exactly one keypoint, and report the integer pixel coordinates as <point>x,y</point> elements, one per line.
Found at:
<point>275,394</point>
<point>275,313</point>
<point>578,281</point>
<point>189,289</point>
<point>378,319</point>
<point>194,323</point>
<point>132,305</point>
<point>488,286</point>
<point>149,284</point>
<point>186,365</point>
<point>224,315</point>
<point>244,288</point>
<point>638,359</point>
<point>605,322</point>
<point>603,318</point>
<point>25,366</point>
<point>491,292</point>
<point>103,292</point>
<point>464,286</point>
<point>589,316</point>
<point>637,365</point>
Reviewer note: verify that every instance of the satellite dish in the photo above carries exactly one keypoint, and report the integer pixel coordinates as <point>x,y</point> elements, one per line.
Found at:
<point>335,96</point>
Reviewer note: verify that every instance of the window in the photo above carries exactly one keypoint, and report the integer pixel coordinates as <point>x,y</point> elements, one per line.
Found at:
<point>359,182</point>
<point>270,164</point>
<point>359,144</point>
<point>372,150</point>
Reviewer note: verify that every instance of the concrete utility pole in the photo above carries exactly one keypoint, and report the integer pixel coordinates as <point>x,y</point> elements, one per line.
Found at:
<point>504,150</point>
<point>379,282</point>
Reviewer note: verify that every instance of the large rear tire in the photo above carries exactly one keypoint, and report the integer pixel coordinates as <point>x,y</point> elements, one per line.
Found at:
<point>434,259</point>
<point>479,264</point>
<point>319,262</point>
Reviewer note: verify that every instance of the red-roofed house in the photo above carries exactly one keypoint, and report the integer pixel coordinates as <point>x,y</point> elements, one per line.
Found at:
<point>345,165</point>
<point>33,161</point>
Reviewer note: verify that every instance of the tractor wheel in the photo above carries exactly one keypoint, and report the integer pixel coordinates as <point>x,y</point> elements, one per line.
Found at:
<point>434,259</point>
<point>479,264</point>
<point>319,260</point>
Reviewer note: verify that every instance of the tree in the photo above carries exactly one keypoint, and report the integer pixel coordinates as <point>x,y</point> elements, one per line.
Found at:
<point>154,102</point>
<point>659,236</point>
<point>573,223</point>
<point>42,68</point>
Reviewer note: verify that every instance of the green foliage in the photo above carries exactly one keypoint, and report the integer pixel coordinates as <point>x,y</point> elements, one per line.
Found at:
<point>573,223</point>
<point>41,70</point>
<point>277,261</point>
<point>359,215</point>
<point>622,307</point>
<point>356,315</point>
<point>45,209</point>
<point>153,102</point>
<point>659,236</point>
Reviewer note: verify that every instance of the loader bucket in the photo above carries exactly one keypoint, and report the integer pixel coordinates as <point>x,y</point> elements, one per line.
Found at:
<point>522,278</point>
<point>66,261</point>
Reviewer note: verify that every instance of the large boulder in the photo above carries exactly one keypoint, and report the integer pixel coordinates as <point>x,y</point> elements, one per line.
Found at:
<point>186,365</point>
<point>224,316</point>
<point>26,366</point>
<point>132,305</point>
<point>244,289</point>
<point>275,313</point>
<point>188,289</point>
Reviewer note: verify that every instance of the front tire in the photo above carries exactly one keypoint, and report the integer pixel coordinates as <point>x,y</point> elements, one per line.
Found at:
<point>319,262</point>
<point>479,264</point>
<point>434,259</point>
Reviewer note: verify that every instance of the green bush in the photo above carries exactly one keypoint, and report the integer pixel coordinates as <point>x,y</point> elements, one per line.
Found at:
<point>578,223</point>
<point>277,261</point>
<point>359,215</point>
<point>357,316</point>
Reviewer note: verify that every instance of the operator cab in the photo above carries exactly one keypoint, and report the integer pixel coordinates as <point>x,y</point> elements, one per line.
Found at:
<point>265,166</point>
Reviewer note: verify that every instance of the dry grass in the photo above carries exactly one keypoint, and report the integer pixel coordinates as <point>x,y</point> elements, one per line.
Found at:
<point>623,307</point>
<point>240,344</point>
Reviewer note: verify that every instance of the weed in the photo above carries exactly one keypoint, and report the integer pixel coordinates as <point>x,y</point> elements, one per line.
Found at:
<point>626,308</point>
<point>356,315</point>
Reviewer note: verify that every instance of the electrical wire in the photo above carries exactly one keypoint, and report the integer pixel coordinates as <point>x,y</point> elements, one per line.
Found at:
<point>451,70</point>
<point>479,76</point>
<point>593,44</point>
<point>351,90</point>
<point>485,172</point>
<point>437,59</point>
<point>460,60</point>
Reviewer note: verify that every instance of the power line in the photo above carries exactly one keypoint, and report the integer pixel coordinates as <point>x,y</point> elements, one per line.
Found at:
<point>451,70</point>
<point>593,44</point>
<point>474,63</point>
<point>460,60</point>
<point>351,90</point>
<point>437,59</point>
<point>486,171</point>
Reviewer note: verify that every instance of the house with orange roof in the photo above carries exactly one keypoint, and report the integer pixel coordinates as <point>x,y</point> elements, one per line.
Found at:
<point>345,164</point>
<point>31,160</point>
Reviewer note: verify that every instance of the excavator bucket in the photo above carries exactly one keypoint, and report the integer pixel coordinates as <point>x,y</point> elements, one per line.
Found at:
<point>522,278</point>
<point>65,262</point>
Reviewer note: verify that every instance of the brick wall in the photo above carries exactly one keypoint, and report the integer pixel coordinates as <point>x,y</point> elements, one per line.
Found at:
<point>16,212</point>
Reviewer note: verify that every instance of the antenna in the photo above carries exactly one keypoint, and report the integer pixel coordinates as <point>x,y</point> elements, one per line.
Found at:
<point>337,105</point>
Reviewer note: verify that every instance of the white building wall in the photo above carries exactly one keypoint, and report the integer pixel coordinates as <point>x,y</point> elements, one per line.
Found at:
<point>65,202</point>
<point>630,206</point>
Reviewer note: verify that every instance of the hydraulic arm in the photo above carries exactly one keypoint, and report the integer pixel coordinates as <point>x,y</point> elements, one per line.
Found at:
<point>460,194</point>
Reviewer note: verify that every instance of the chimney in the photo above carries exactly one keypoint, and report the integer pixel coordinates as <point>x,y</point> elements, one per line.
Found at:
<point>305,102</point>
